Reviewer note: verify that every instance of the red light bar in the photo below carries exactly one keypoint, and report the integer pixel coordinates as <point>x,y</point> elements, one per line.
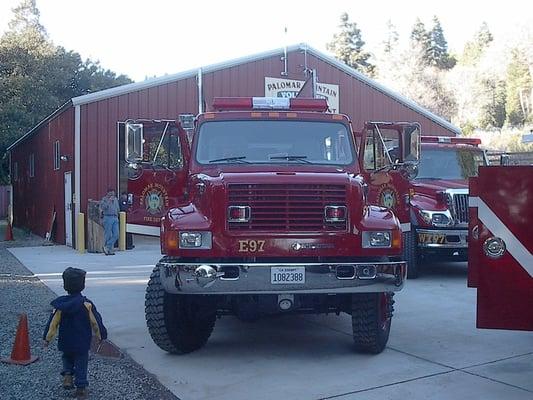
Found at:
<point>451,140</point>
<point>268,103</point>
<point>320,105</point>
<point>232,103</point>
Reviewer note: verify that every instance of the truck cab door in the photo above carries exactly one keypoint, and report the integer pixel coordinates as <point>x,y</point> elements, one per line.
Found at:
<point>153,170</point>
<point>389,157</point>
<point>500,253</point>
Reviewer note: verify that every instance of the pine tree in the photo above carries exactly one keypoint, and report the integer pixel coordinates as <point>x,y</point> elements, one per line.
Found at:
<point>26,16</point>
<point>437,51</point>
<point>392,39</point>
<point>421,39</point>
<point>347,45</point>
<point>492,112</point>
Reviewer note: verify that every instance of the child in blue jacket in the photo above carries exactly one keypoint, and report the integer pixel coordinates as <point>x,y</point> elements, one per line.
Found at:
<point>75,317</point>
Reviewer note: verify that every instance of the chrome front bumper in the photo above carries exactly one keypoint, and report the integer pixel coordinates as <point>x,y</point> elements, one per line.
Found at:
<point>442,238</point>
<point>242,278</point>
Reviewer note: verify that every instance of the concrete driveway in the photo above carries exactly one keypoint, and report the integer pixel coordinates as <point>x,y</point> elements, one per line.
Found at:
<point>434,350</point>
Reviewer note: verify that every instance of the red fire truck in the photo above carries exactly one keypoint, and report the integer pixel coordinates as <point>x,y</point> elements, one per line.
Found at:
<point>431,203</point>
<point>500,260</point>
<point>271,217</point>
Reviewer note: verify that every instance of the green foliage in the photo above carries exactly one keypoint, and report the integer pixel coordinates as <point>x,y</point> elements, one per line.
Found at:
<point>492,108</point>
<point>37,77</point>
<point>519,89</point>
<point>468,129</point>
<point>474,49</point>
<point>420,37</point>
<point>347,45</point>
<point>505,140</point>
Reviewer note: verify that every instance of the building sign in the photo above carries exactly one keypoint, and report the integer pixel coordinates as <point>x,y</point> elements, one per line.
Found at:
<point>276,87</point>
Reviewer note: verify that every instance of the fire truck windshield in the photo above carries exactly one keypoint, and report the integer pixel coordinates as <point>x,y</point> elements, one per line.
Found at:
<point>274,142</point>
<point>449,163</point>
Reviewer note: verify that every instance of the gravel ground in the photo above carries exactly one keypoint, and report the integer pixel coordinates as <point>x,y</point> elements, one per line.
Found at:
<point>21,292</point>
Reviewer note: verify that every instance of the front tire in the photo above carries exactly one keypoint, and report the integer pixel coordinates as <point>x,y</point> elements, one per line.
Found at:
<point>410,254</point>
<point>371,321</point>
<point>178,324</point>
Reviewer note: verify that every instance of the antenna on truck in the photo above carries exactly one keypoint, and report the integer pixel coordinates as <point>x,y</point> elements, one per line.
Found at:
<point>285,72</point>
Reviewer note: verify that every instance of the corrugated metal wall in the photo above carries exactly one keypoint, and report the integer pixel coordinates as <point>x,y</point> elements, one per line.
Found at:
<point>98,130</point>
<point>34,199</point>
<point>99,120</point>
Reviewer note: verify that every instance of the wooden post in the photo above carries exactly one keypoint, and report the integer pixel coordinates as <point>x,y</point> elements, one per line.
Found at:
<point>80,239</point>
<point>95,229</point>
<point>122,231</point>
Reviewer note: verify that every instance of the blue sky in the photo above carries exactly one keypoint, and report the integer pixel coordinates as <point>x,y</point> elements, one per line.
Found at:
<point>151,38</point>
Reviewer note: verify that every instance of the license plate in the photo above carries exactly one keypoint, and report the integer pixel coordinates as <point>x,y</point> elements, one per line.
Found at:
<point>287,275</point>
<point>431,238</point>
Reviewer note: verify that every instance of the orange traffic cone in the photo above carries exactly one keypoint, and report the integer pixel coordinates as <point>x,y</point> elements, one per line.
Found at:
<point>9,231</point>
<point>21,348</point>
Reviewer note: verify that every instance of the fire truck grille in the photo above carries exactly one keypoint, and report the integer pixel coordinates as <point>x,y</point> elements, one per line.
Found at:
<point>286,208</point>
<point>460,208</point>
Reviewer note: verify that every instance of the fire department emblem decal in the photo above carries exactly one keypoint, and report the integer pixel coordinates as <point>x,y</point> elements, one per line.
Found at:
<point>387,196</point>
<point>155,198</point>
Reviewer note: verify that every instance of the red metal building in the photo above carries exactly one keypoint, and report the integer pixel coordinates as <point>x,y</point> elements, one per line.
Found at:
<point>72,155</point>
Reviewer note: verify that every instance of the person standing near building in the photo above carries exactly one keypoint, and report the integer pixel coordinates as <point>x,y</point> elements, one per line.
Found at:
<point>124,205</point>
<point>110,209</point>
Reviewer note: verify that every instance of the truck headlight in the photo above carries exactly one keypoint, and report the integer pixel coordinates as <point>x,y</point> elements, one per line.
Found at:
<point>437,218</point>
<point>195,240</point>
<point>377,239</point>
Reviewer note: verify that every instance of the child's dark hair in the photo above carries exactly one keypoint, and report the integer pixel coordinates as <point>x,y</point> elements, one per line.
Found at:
<point>74,280</point>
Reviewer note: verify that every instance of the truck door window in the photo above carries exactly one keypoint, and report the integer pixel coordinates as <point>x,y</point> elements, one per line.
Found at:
<point>134,142</point>
<point>382,148</point>
<point>162,146</point>
<point>450,163</point>
<point>175,157</point>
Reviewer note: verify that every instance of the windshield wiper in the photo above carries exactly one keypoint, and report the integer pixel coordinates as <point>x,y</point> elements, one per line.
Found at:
<point>229,159</point>
<point>291,158</point>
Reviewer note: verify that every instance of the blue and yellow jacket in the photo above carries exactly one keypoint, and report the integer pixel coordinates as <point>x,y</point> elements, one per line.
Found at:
<point>75,317</point>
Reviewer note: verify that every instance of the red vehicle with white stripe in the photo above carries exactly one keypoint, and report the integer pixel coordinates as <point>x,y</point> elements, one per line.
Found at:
<point>273,219</point>
<point>500,260</point>
<point>437,199</point>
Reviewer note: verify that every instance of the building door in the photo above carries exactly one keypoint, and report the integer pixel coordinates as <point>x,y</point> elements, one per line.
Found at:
<point>68,208</point>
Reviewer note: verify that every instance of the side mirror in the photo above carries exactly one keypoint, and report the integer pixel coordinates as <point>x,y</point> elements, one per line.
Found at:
<point>134,142</point>
<point>409,170</point>
<point>411,143</point>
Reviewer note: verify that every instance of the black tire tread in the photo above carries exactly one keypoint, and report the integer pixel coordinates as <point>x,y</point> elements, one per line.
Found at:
<point>367,334</point>
<point>169,330</point>
<point>411,254</point>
